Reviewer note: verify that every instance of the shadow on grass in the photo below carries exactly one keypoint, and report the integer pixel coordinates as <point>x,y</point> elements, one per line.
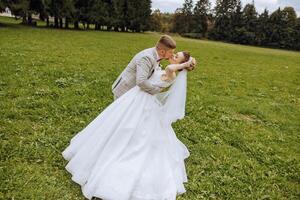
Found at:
<point>13,25</point>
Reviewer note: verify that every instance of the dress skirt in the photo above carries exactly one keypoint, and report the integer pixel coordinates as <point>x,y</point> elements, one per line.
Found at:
<point>128,153</point>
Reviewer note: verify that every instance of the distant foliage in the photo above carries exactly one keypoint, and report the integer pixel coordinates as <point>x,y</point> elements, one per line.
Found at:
<point>229,21</point>
<point>161,22</point>
<point>117,15</point>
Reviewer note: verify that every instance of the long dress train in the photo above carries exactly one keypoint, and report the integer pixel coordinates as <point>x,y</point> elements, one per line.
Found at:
<point>127,152</point>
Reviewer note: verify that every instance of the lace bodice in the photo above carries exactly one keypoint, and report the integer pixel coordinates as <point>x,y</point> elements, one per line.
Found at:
<point>155,79</point>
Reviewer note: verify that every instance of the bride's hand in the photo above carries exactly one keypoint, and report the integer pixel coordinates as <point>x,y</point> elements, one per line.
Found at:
<point>192,63</point>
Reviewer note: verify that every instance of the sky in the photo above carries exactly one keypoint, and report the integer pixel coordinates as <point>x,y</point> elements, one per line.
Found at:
<point>271,5</point>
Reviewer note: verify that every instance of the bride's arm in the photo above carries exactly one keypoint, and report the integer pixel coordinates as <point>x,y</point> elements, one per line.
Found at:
<point>172,68</point>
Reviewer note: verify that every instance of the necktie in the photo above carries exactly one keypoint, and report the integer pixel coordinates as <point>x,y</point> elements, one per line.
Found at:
<point>159,60</point>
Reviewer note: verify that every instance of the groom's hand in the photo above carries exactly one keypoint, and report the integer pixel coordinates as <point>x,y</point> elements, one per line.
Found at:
<point>163,89</point>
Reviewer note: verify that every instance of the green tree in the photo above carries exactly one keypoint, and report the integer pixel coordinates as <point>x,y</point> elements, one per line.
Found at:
<point>178,21</point>
<point>237,24</point>
<point>297,35</point>
<point>25,8</point>
<point>139,15</point>
<point>156,21</point>
<point>2,6</point>
<point>187,12</point>
<point>263,29</point>
<point>278,27</point>
<point>250,19</point>
<point>224,10</point>
<point>289,18</point>
<point>201,15</point>
<point>97,13</point>
<point>121,14</point>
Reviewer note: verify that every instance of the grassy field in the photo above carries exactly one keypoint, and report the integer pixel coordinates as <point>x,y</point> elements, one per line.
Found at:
<point>242,115</point>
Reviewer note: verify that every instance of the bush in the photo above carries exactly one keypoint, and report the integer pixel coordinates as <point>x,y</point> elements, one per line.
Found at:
<point>192,35</point>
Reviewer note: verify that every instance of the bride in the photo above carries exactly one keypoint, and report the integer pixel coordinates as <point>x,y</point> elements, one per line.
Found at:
<point>130,150</point>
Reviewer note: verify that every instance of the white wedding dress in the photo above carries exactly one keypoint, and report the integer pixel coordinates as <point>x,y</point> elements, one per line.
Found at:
<point>130,150</point>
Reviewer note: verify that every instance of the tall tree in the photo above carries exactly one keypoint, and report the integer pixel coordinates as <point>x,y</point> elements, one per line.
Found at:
<point>139,14</point>
<point>19,8</point>
<point>187,12</point>
<point>224,11</point>
<point>263,28</point>
<point>289,18</point>
<point>296,44</point>
<point>237,24</point>
<point>156,21</point>
<point>25,8</point>
<point>250,18</point>
<point>201,14</point>
<point>178,21</point>
<point>97,13</point>
<point>55,10</point>
<point>67,12</point>
<point>277,22</point>
<point>121,14</point>
<point>3,5</point>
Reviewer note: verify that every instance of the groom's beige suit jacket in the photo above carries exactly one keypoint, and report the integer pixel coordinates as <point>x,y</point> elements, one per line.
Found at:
<point>137,72</point>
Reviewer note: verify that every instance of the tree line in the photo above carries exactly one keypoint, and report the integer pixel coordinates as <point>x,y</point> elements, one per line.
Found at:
<point>118,15</point>
<point>229,21</point>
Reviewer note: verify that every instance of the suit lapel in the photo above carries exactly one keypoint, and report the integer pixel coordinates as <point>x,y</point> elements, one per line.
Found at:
<point>154,53</point>
<point>152,71</point>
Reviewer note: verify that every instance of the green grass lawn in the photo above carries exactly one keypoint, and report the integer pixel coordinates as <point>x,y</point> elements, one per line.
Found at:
<point>242,119</point>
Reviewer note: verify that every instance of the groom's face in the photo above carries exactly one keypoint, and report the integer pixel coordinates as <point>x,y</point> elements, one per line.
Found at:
<point>169,53</point>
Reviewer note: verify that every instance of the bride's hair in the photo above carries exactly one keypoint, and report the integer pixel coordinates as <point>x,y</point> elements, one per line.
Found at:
<point>187,56</point>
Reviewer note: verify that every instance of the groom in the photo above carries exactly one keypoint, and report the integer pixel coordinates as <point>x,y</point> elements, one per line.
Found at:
<point>141,67</point>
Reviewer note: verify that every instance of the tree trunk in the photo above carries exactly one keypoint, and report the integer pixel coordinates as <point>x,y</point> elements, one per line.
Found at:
<point>76,25</point>
<point>60,22</point>
<point>67,22</point>
<point>24,19</point>
<point>55,22</point>
<point>88,25</point>
<point>47,21</point>
<point>29,21</point>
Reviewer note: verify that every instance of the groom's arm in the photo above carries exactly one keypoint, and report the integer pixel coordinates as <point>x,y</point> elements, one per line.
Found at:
<point>142,72</point>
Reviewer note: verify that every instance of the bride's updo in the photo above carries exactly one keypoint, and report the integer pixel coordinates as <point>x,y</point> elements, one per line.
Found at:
<point>187,56</point>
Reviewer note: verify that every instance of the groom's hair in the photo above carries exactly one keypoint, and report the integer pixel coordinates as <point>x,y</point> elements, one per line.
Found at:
<point>166,42</point>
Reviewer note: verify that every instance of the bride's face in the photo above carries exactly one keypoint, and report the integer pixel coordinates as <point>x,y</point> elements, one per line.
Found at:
<point>177,58</point>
